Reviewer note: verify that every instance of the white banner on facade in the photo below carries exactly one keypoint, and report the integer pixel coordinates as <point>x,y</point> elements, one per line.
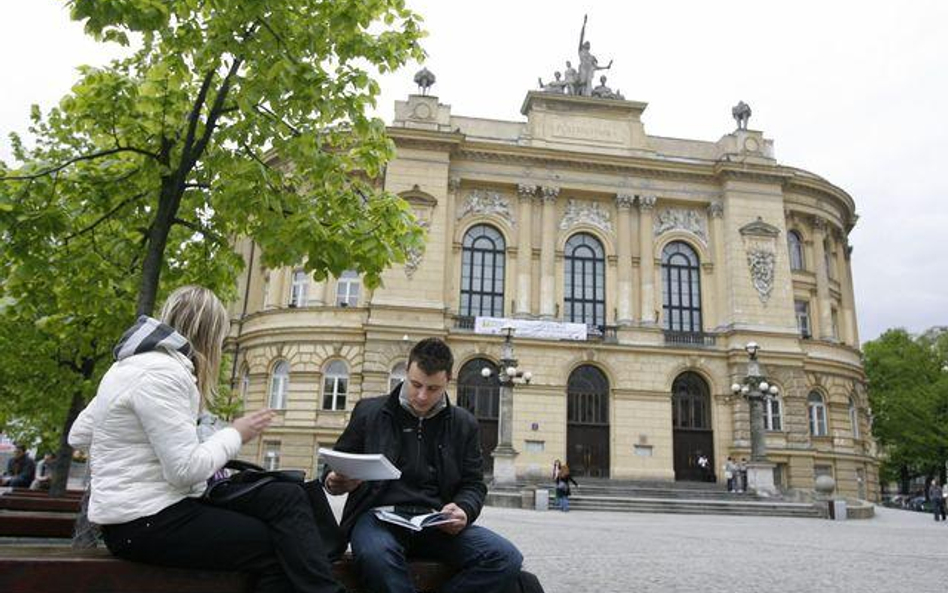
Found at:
<point>526,328</point>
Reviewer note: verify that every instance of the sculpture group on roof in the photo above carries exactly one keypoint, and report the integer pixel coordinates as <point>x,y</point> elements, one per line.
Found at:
<point>580,83</point>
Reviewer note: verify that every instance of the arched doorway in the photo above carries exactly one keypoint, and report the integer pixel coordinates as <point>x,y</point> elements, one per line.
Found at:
<point>691,421</point>
<point>481,397</point>
<point>587,422</point>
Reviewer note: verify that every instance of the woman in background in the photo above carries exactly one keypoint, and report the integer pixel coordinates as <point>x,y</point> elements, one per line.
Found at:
<point>149,468</point>
<point>563,478</point>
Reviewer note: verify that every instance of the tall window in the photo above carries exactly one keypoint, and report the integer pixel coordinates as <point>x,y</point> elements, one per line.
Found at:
<point>478,394</point>
<point>299,289</point>
<point>681,288</point>
<point>398,374</point>
<point>335,385</point>
<point>795,245</point>
<point>244,386</point>
<point>691,401</point>
<point>347,289</point>
<point>585,275</point>
<point>482,272</point>
<point>834,318</point>
<point>266,290</point>
<point>828,258</point>
<point>817,414</point>
<point>279,384</point>
<point>587,393</point>
<point>854,417</point>
<point>803,318</point>
<point>271,455</point>
<point>772,414</point>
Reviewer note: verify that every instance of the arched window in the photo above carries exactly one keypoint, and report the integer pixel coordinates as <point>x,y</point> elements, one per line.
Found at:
<point>585,276</point>
<point>773,414</point>
<point>795,245</point>
<point>335,385</point>
<point>587,396</point>
<point>478,394</point>
<point>691,402</point>
<point>397,376</point>
<point>299,289</point>
<point>681,288</point>
<point>279,384</point>
<point>817,414</point>
<point>482,272</point>
<point>854,417</point>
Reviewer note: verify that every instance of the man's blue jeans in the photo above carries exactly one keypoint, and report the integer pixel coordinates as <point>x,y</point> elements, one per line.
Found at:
<point>486,562</point>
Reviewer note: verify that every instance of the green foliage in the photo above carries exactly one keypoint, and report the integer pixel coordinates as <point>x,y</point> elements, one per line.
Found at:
<point>229,119</point>
<point>908,392</point>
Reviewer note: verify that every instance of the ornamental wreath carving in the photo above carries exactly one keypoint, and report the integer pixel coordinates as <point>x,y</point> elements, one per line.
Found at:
<point>762,263</point>
<point>485,202</point>
<point>584,212</point>
<point>681,219</point>
<point>414,255</point>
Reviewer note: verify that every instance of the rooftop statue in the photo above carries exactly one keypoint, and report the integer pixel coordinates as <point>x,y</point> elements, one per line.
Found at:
<point>588,64</point>
<point>571,77</point>
<point>425,79</point>
<point>742,114</point>
<point>604,92</point>
<point>554,86</point>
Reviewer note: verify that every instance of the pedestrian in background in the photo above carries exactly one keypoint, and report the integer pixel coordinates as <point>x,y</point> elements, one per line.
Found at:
<point>563,478</point>
<point>937,499</point>
<point>21,469</point>
<point>730,474</point>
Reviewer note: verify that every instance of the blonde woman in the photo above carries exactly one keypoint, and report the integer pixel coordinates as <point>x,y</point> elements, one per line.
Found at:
<point>149,468</point>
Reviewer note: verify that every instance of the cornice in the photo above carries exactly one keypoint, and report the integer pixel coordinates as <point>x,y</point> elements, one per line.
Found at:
<point>425,139</point>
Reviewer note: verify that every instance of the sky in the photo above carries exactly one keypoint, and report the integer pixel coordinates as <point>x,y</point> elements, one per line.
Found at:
<point>854,91</point>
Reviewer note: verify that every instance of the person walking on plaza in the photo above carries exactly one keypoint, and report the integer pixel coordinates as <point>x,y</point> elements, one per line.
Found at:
<point>436,445</point>
<point>936,496</point>
<point>742,475</point>
<point>563,479</point>
<point>149,467</point>
<point>21,469</point>
<point>730,474</point>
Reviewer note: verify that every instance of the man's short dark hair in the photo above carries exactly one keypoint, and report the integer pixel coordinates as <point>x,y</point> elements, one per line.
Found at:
<point>432,356</point>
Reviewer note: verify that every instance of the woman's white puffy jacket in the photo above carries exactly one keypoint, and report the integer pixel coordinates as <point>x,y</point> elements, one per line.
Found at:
<point>141,434</point>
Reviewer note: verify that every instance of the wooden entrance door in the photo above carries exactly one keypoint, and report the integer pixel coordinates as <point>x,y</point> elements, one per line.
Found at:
<point>691,422</point>
<point>587,422</point>
<point>481,397</point>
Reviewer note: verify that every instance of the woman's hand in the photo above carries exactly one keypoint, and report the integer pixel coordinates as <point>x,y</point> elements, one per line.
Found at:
<point>251,425</point>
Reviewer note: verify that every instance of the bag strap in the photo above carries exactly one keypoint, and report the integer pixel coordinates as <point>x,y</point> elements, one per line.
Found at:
<point>240,465</point>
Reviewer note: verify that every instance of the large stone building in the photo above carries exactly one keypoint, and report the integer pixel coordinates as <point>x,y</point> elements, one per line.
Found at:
<point>673,253</point>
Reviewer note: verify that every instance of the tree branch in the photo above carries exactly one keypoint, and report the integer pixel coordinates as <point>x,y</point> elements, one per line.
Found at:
<point>72,161</point>
<point>200,229</point>
<point>195,114</point>
<point>105,216</point>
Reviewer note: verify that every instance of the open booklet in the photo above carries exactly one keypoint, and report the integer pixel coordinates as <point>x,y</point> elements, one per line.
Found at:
<point>360,466</point>
<point>414,522</point>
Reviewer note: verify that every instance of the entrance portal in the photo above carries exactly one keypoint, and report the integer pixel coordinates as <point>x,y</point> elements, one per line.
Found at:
<point>481,396</point>
<point>691,421</point>
<point>587,422</point>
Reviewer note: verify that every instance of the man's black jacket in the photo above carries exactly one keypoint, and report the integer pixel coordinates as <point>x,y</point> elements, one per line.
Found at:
<point>373,428</point>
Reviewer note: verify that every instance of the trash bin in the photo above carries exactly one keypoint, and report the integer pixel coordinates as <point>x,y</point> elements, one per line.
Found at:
<point>542,500</point>
<point>837,510</point>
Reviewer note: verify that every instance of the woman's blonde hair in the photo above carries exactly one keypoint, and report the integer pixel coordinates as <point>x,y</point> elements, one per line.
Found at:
<point>197,314</point>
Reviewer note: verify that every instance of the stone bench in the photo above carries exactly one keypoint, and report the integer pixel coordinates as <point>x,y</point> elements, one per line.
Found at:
<point>40,569</point>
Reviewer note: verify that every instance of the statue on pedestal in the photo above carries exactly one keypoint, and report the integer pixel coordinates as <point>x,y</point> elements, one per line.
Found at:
<point>425,79</point>
<point>557,85</point>
<point>571,77</point>
<point>741,113</point>
<point>588,64</point>
<point>604,92</point>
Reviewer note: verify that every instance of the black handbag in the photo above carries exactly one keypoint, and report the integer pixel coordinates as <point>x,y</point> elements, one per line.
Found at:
<point>248,478</point>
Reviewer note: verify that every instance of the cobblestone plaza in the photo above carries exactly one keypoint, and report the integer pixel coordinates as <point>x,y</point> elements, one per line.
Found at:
<point>603,552</point>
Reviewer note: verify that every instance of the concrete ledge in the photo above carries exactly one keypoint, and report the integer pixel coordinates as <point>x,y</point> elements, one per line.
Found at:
<point>860,510</point>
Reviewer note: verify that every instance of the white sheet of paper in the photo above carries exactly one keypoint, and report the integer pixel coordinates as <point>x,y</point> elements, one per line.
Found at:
<point>368,466</point>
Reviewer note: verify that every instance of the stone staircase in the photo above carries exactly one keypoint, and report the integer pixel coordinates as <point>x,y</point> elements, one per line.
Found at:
<point>698,498</point>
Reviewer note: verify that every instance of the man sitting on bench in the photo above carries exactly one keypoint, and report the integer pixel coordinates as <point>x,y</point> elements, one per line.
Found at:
<point>436,445</point>
<point>20,469</point>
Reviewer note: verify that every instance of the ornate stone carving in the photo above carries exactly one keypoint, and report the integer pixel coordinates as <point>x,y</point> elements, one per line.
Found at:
<point>680,219</point>
<point>415,254</point>
<point>550,194</point>
<point>585,212</point>
<point>820,224</point>
<point>647,202</point>
<point>624,201</point>
<point>486,202</point>
<point>762,263</point>
<point>454,184</point>
<point>526,191</point>
<point>716,209</point>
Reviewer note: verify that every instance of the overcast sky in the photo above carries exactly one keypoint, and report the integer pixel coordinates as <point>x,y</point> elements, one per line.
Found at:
<point>853,91</point>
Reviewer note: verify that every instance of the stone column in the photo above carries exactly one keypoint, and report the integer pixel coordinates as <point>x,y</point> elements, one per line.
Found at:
<point>849,297</point>
<point>822,280</point>
<point>450,215</point>
<point>624,238</point>
<point>647,259</point>
<point>525,249</point>
<point>716,211</point>
<point>548,253</point>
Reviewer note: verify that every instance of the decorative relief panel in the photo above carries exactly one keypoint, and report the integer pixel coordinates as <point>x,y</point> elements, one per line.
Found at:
<point>681,219</point>
<point>760,244</point>
<point>486,202</point>
<point>586,212</point>
<point>415,254</point>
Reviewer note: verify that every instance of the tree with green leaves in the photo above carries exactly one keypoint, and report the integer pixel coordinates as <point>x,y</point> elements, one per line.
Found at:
<point>227,119</point>
<point>908,392</point>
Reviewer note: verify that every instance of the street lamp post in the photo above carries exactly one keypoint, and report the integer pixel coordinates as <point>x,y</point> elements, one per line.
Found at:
<point>756,389</point>
<point>504,454</point>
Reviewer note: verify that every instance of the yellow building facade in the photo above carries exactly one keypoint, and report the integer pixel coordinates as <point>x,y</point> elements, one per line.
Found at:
<point>671,253</point>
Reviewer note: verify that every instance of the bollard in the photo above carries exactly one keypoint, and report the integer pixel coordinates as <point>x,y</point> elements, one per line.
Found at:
<point>542,499</point>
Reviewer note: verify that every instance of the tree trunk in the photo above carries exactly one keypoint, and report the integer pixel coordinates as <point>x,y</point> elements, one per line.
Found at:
<point>903,480</point>
<point>60,479</point>
<point>157,240</point>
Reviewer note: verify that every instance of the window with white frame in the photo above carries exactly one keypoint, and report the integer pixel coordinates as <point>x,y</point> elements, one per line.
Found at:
<point>266,290</point>
<point>279,384</point>
<point>773,414</point>
<point>271,455</point>
<point>802,309</point>
<point>335,385</point>
<point>795,245</point>
<point>817,414</point>
<point>347,289</point>
<point>398,374</point>
<point>244,386</point>
<point>854,417</point>
<point>299,289</point>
